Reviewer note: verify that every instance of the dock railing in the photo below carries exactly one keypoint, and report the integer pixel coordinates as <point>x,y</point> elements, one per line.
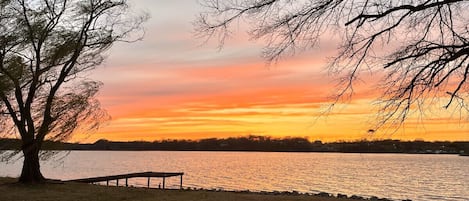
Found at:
<point>148,175</point>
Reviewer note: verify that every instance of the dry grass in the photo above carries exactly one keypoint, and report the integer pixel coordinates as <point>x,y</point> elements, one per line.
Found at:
<point>12,191</point>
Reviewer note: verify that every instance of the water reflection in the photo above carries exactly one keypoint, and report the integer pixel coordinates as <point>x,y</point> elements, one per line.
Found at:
<point>398,176</point>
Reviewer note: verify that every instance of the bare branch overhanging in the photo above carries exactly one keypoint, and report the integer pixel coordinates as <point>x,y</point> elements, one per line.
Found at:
<point>419,47</point>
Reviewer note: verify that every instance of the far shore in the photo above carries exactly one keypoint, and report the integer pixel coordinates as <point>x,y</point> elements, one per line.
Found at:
<point>70,191</point>
<point>258,144</point>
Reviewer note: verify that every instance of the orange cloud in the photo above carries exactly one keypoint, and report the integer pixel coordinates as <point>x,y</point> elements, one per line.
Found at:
<point>236,97</point>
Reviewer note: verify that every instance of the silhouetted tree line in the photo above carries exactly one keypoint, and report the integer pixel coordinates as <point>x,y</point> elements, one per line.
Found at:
<point>259,143</point>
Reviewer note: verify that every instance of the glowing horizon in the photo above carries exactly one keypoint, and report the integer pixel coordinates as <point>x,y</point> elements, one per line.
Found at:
<point>169,87</point>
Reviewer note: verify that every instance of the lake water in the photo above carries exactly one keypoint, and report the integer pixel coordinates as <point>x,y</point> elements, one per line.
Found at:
<point>396,176</point>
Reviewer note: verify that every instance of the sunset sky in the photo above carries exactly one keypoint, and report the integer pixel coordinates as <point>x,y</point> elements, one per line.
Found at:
<point>169,86</point>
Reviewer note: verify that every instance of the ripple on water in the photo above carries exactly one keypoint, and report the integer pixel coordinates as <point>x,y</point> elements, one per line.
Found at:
<point>397,176</point>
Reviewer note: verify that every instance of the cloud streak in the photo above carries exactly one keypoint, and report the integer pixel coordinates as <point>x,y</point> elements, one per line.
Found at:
<point>168,87</point>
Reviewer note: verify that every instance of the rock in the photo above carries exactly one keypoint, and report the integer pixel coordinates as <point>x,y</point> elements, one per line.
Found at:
<point>356,197</point>
<point>384,199</point>
<point>374,198</point>
<point>323,194</point>
<point>341,196</point>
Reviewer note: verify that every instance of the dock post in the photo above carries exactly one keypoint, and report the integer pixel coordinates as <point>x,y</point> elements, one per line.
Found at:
<point>149,175</point>
<point>180,184</point>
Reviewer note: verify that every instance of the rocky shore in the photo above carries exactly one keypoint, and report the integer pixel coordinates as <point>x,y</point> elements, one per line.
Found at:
<point>70,191</point>
<point>294,193</point>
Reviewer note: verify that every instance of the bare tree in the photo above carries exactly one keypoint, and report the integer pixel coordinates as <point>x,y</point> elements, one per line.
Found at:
<point>46,47</point>
<point>420,48</point>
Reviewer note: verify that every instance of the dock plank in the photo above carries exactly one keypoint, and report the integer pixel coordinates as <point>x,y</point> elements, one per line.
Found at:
<point>131,175</point>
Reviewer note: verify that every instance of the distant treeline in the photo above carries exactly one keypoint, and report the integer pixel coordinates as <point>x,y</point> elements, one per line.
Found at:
<point>259,143</point>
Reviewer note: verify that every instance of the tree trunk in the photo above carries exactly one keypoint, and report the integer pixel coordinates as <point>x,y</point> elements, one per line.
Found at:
<point>31,172</point>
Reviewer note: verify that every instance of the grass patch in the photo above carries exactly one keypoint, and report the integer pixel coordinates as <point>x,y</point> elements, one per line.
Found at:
<point>10,190</point>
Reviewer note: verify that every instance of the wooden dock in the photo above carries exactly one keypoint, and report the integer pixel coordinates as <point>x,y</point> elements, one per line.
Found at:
<point>148,175</point>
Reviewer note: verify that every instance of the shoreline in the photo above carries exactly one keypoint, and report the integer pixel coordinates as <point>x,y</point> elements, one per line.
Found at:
<point>64,191</point>
<point>259,144</point>
<point>245,151</point>
<point>293,193</point>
